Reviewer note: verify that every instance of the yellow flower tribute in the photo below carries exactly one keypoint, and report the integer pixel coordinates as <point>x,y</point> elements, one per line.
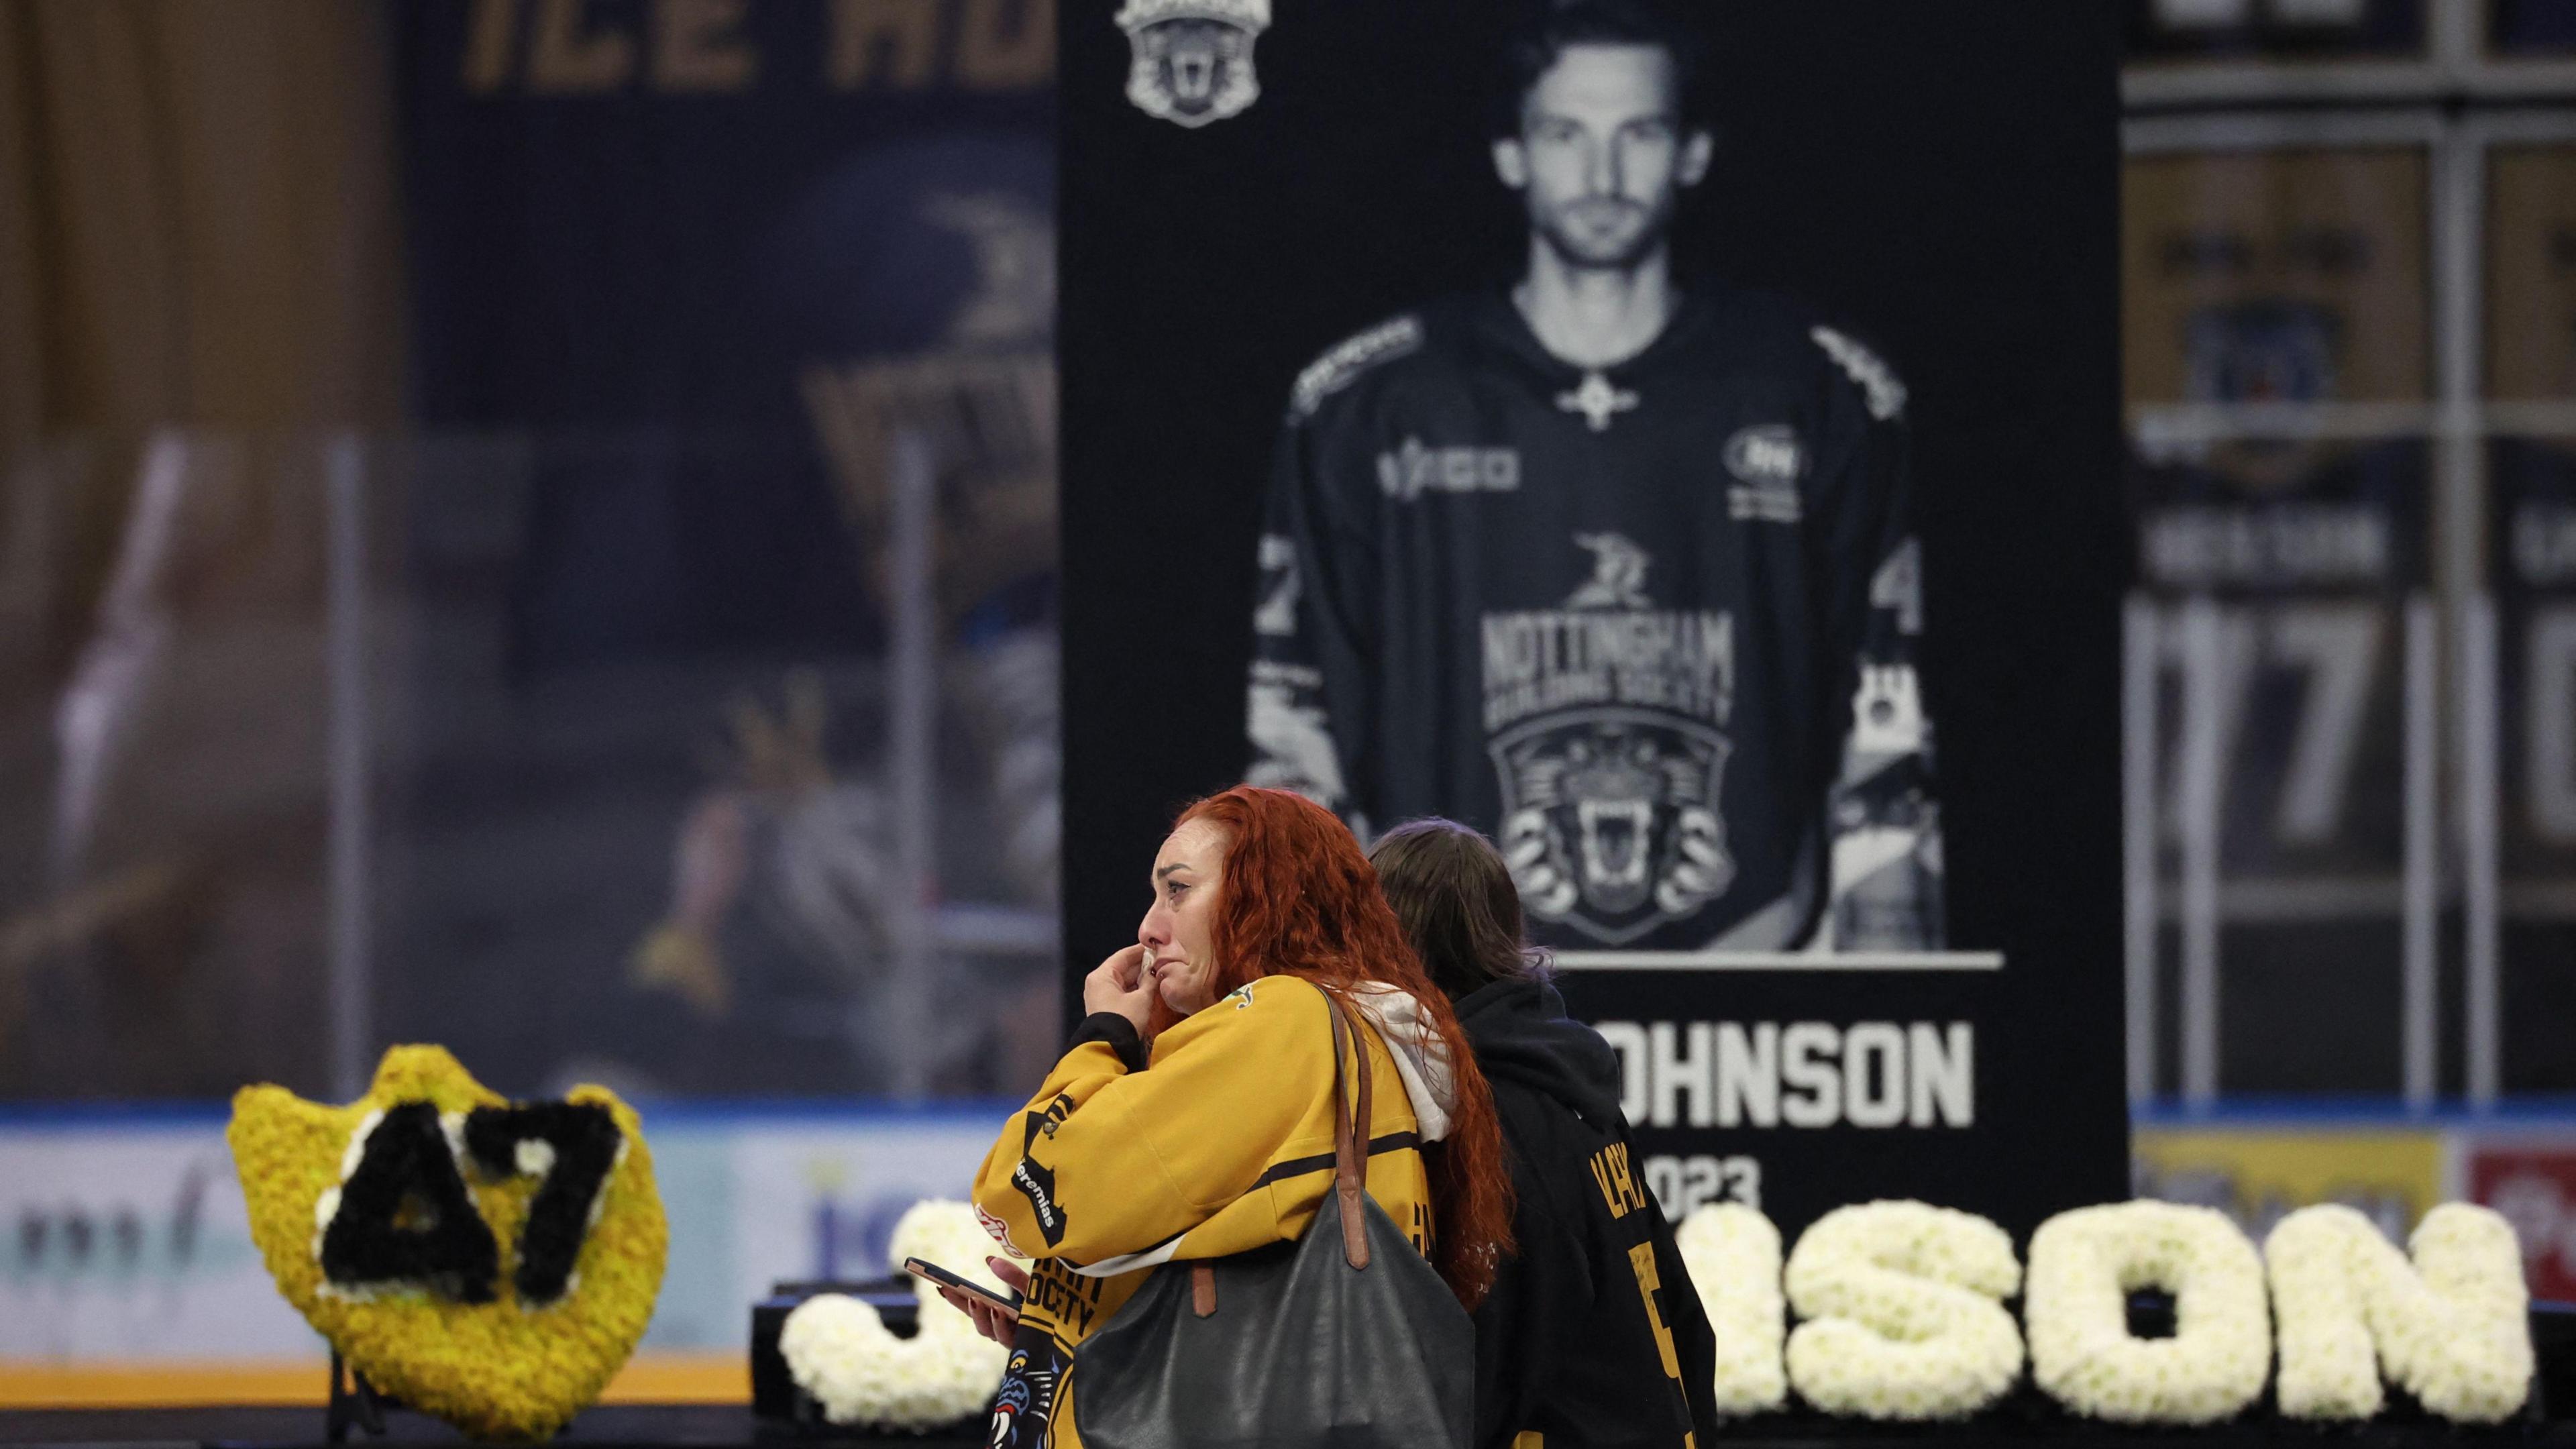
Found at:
<point>489,1262</point>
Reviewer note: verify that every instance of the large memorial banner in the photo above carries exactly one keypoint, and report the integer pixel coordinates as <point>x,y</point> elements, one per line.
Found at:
<point>1681,443</point>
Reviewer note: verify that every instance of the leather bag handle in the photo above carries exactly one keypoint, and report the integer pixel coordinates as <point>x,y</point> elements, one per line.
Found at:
<point>1350,1156</point>
<point>1350,1134</point>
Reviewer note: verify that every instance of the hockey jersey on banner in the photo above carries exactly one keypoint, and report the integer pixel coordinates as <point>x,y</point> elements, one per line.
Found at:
<point>1653,627</point>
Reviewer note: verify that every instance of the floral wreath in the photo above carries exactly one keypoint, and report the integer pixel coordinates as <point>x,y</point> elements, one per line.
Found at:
<point>487,1261</point>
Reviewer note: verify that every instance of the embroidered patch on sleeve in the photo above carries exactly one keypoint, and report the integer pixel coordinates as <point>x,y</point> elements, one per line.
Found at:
<point>1001,1232</point>
<point>1877,381</point>
<point>1036,1182</point>
<point>1349,358</point>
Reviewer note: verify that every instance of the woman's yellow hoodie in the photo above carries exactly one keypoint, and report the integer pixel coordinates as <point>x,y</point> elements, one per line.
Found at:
<point>1222,1143</point>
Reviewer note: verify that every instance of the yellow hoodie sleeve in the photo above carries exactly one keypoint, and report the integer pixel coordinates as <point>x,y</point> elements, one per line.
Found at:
<point>1106,1162</point>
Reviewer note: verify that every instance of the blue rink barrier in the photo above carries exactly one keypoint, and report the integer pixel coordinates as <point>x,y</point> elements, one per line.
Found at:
<point>123,1237</point>
<point>126,1238</point>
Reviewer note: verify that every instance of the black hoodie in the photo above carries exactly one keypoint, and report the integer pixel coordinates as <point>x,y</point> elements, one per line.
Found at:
<point>1594,1335</point>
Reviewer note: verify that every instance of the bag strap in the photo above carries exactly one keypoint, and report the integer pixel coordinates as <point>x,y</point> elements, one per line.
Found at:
<point>1350,1134</point>
<point>1350,1155</point>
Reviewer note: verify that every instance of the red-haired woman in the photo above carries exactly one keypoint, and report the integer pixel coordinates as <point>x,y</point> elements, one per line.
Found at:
<point>1193,1115</point>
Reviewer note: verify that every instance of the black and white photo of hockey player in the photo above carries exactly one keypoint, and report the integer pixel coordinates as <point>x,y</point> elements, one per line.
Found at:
<point>1616,565</point>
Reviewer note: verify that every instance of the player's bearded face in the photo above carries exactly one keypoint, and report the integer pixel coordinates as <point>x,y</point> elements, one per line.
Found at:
<point>1602,155</point>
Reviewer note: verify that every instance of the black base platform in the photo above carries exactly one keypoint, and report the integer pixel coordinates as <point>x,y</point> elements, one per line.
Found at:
<point>791,1421</point>
<point>2036,1425</point>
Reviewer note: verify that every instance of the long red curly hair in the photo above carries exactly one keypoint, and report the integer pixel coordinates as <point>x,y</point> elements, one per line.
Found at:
<point>1297,898</point>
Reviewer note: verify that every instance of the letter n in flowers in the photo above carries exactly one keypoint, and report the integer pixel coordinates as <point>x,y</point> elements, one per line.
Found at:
<point>2452,1327</point>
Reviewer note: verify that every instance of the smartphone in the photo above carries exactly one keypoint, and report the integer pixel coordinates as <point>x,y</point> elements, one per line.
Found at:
<point>925,1269</point>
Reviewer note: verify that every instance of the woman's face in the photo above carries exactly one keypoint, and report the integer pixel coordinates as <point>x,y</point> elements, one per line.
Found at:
<point>1177,931</point>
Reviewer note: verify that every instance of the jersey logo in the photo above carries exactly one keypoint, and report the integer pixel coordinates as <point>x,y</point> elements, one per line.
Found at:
<point>1884,394</point>
<point>1769,459</point>
<point>1192,59</point>
<point>1898,585</point>
<point>1025,1401</point>
<point>1610,822</point>
<point>1766,454</point>
<point>1887,711</point>
<point>1241,996</point>
<point>1764,505</point>
<point>1350,357</point>
<point>1042,1121</point>
<point>1036,1182</point>
<point>1292,741</point>
<point>1411,470</point>
<point>1597,400</point>
<point>1001,1232</point>
<point>1618,574</point>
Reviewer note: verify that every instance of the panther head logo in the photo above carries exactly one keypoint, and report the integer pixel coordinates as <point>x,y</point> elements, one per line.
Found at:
<point>1192,59</point>
<point>1610,820</point>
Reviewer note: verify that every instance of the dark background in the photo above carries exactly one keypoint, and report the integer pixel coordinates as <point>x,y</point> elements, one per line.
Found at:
<point>1941,177</point>
<point>623,291</point>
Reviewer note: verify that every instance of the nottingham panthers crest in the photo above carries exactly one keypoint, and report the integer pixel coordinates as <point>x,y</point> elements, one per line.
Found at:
<point>1610,819</point>
<point>1607,718</point>
<point>1193,58</point>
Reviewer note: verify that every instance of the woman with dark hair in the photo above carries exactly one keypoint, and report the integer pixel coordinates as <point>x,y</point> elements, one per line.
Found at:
<point>1593,1334</point>
<point>1192,1118</point>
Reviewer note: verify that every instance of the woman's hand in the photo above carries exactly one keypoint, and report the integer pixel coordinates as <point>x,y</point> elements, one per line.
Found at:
<point>992,1322</point>
<point>1120,984</point>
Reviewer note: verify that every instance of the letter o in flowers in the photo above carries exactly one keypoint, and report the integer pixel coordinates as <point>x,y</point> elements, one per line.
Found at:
<point>1733,1253</point>
<point>2084,1264</point>
<point>2453,1326</point>
<point>1905,1313</point>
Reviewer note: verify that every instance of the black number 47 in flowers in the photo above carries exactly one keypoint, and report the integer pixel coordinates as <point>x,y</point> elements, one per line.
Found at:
<point>402,1217</point>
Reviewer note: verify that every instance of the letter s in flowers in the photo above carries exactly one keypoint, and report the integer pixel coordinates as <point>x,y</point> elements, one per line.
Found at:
<point>1904,1303</point>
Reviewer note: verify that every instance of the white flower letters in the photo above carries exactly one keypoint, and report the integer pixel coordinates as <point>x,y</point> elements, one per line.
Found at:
<point>2083,1266</point>
<point>1903,1313</point>
<point>1904,1310</point>
<point>1734,1245</point>
<point>2452,1327</point>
